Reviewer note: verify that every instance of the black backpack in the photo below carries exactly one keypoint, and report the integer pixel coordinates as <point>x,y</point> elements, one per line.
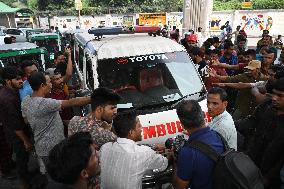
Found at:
<point>233,170</point>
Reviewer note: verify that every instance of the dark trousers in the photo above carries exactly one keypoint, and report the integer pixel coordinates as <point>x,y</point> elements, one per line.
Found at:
<point>5,152</point>
<point>22,159</point>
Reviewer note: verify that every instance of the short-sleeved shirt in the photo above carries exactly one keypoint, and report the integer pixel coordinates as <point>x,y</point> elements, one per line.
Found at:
<point>100,130</point>
<point>44,119</point>
<point>233,60</point>
<point>196,167</point>
<point>10,113</point>
<point>26,90</point>
<point>65,113</point>
<point>210,80</point>
<point>224,125</point>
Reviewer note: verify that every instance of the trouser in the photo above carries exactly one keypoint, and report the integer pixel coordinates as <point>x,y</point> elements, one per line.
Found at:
<point>22,159</point>
<point>5,152</point>
<point>282,177</point>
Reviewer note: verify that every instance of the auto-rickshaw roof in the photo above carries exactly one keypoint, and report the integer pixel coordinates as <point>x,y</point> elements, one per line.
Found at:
<point>18,46</point>
<point>75,31</point>
<point>43,36</point>
<point>19,49</point>
<point>127,45</point>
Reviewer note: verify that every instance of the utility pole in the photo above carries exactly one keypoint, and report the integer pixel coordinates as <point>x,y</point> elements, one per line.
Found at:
<point>78,6</point>
<point>196,14</point>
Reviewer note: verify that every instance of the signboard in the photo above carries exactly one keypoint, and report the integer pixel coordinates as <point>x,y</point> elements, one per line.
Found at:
<point>24,13</point>
<point>78,4</point>
<point>246,5</point>
<point>128,21</point>
<point>154,19</point>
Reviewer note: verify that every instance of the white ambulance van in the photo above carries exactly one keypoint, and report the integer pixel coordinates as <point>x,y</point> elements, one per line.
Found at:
<point>151,73</point>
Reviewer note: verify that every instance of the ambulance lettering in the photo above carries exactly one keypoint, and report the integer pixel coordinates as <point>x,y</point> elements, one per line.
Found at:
<point>162,129</point>
<point>166,128</point>
<point>148,57</point>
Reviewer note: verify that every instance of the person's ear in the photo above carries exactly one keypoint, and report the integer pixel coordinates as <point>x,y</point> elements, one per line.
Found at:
<point>99,109</point>
<point>225,103</point>
<point>8,81</point>
<point>131,133</point>
<point>84,174</point>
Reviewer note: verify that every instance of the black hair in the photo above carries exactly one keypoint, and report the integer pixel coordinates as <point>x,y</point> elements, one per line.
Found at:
<point>217,90</point>
<point>61,67</point>
<point>228,41</point>
<point>10,72</point>
<point>124,122</point>
<point>215,51</point>
<point>269,50</point>
<point>196,51</point>
<point>36,79</point>
<point>216,40</point>
<point>265,31</point>
<point>190,114</point>
<point>210,40</point>
<point>7,40</point>
<point>279,85</point>
<point>103,96</point>
<point>57,54</point>
<point>228,45</point>
<point>27,63</point>
<point>279,74</point>
<point>207,44</point>
<point>241,38</point>
<point>269,86</point>
<point>68,158</point>
<point>251,52</point>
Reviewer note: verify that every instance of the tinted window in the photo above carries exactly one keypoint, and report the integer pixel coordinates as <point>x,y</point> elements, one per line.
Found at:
<point>150,79</point>
<point>13,32</point>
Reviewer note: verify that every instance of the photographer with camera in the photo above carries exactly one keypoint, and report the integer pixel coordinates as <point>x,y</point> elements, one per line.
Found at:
<point>194,169</point>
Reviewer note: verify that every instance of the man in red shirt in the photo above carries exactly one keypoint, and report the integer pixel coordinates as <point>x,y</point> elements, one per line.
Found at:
<point>58,93</point>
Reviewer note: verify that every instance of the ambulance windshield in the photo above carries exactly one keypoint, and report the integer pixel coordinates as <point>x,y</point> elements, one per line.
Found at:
<point>150,79</point>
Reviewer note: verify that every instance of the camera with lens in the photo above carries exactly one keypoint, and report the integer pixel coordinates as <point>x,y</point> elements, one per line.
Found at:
<point>175,143</point>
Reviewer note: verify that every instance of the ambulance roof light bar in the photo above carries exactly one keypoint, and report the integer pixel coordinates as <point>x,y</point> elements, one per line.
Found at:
<point>99,32</point>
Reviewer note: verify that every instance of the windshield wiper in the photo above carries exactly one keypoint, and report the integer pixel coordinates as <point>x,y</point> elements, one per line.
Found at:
<point>201,94</point>
<point>171,103</point>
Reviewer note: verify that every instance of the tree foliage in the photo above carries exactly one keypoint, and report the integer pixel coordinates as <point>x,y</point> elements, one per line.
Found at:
<point>257,4</point>
<point>91,7</point>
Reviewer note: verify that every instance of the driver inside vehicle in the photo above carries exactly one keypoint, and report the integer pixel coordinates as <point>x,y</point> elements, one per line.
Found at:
<point>119,82</point>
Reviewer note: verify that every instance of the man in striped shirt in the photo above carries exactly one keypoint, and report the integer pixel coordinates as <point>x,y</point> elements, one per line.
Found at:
<point>123,163</point>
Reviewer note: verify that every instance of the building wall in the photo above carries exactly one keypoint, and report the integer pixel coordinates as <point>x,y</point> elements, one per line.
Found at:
<point>253,22</point>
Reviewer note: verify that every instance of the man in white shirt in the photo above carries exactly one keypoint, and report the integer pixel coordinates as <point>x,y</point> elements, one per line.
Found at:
<point>123,163</point>
<point>222,121</point>
<point>200,38</point>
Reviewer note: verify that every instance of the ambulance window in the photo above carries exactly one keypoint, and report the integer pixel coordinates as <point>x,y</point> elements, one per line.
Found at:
<point>89,71</point>
<point>81,56</point>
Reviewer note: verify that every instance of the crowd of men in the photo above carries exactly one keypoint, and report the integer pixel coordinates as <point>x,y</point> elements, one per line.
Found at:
<point>245,100</point>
